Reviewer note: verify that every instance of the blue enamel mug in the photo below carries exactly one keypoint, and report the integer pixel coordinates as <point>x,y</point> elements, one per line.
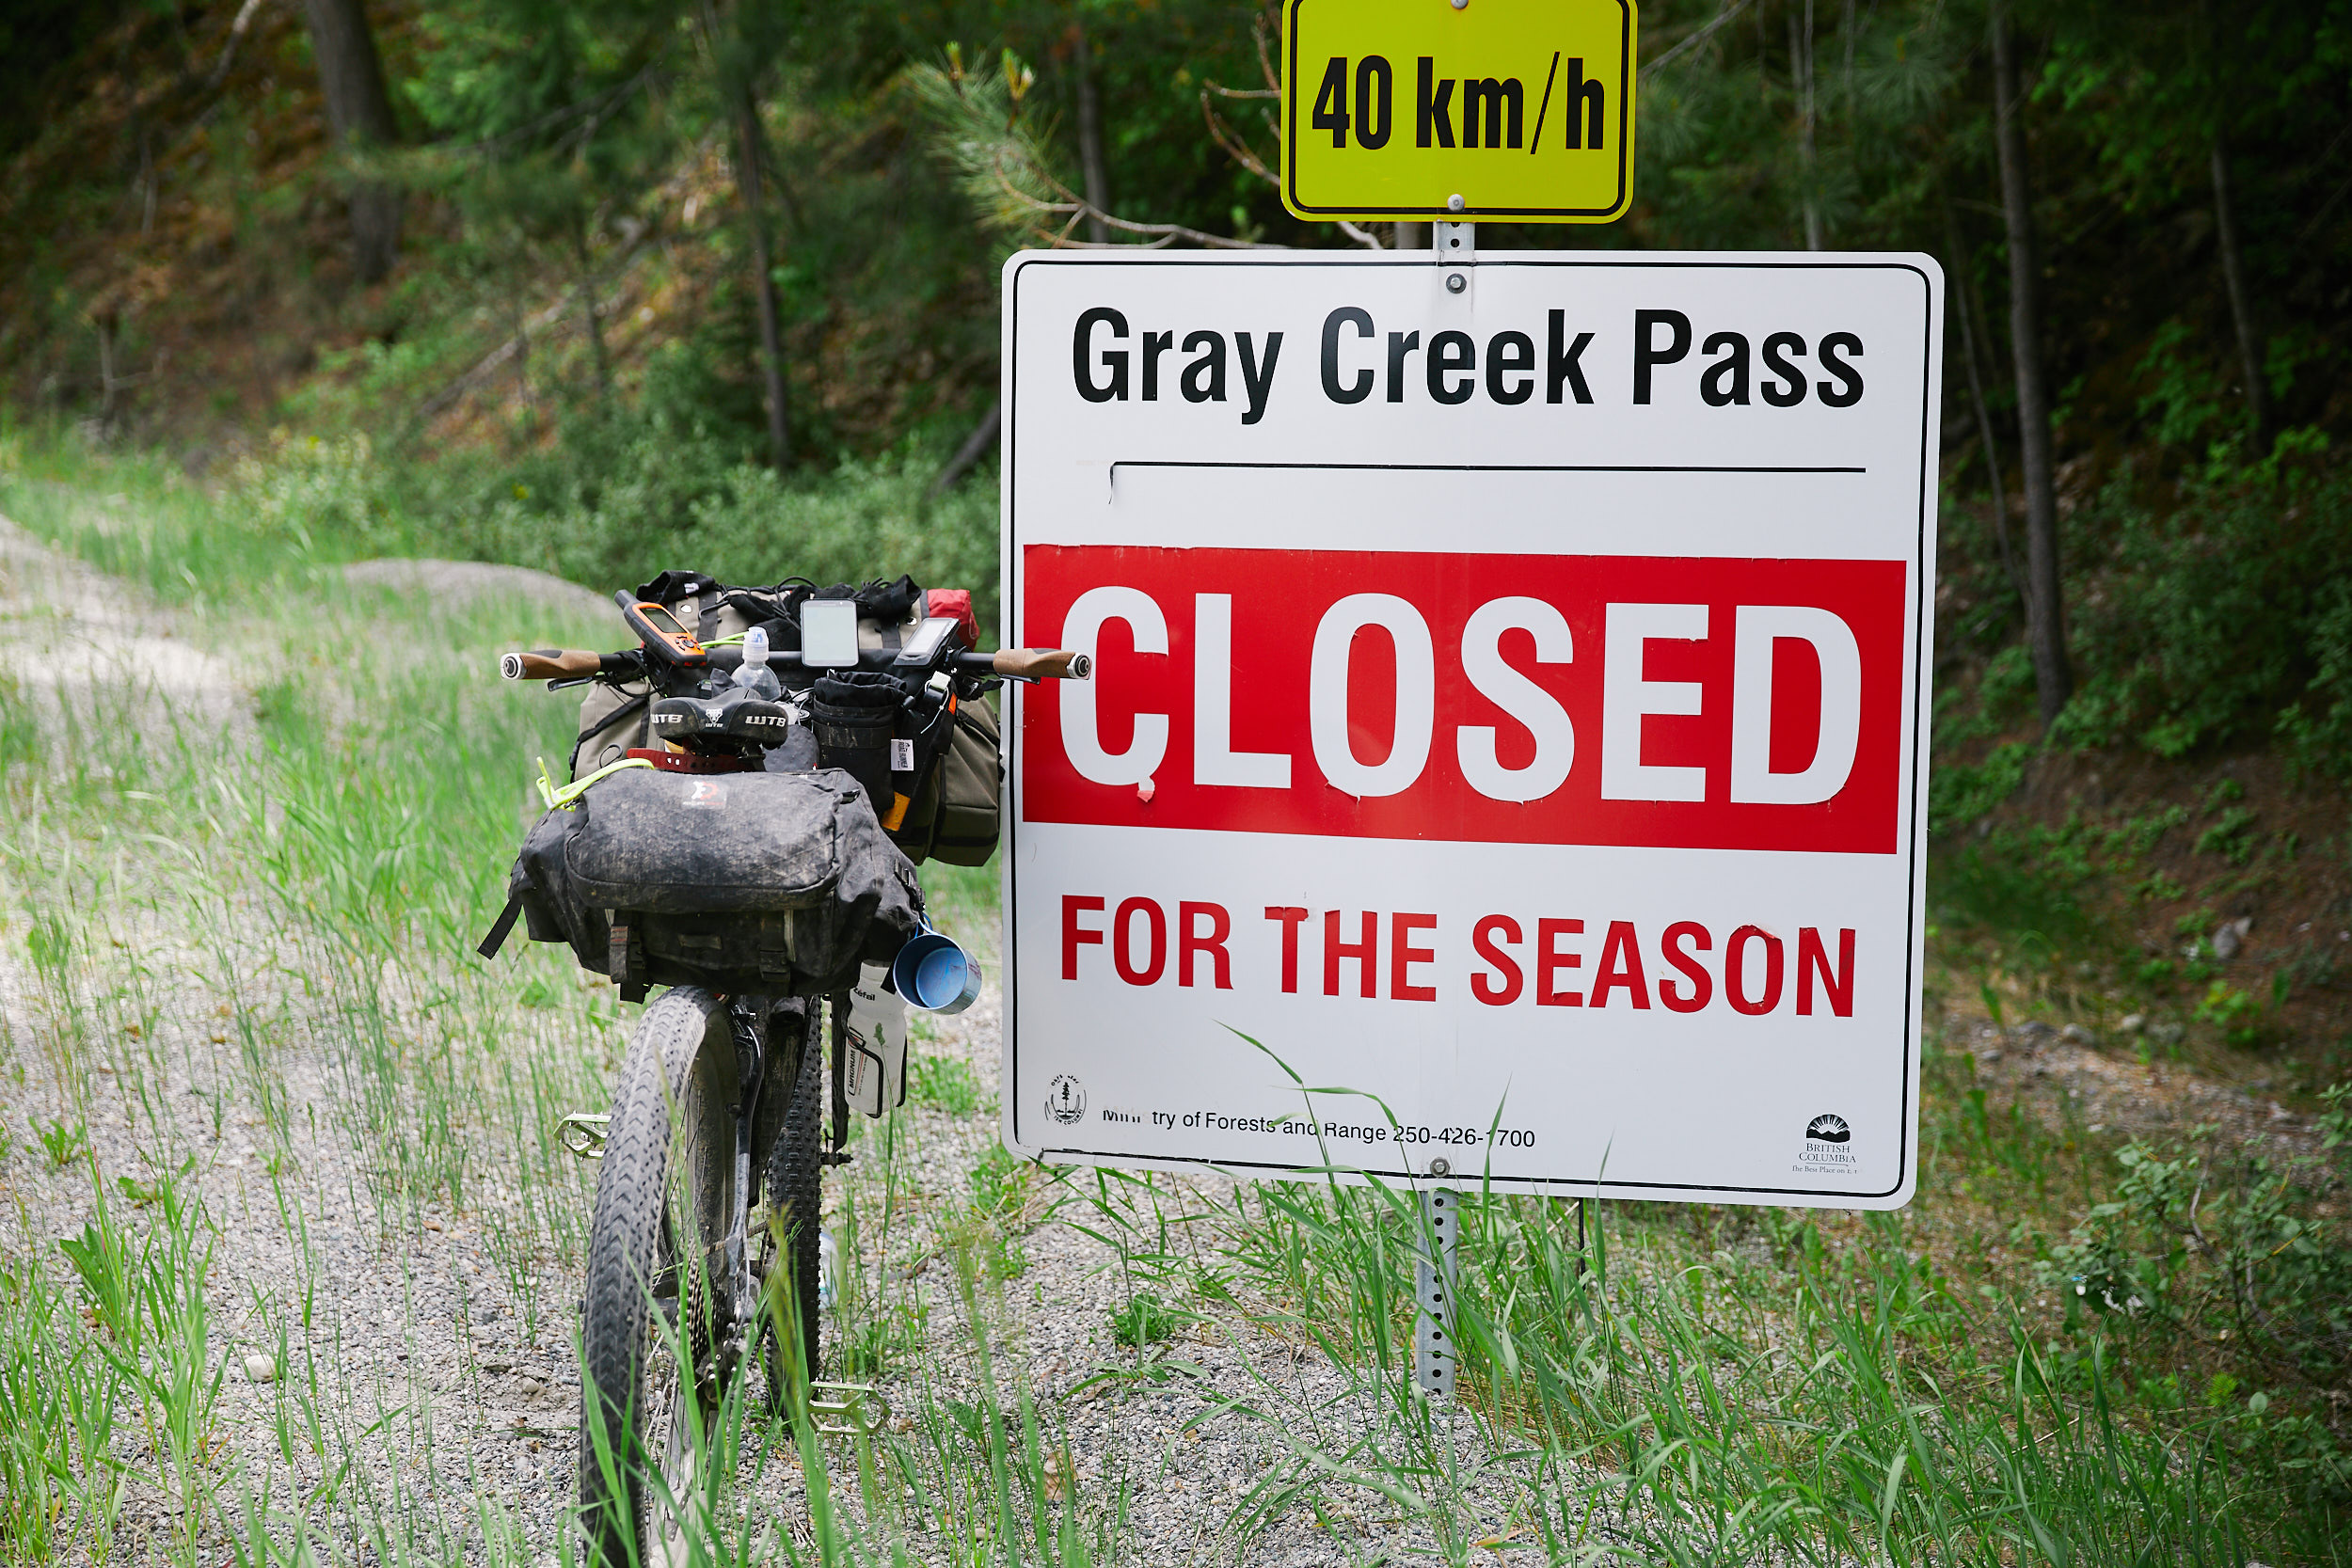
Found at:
<point>935,974</point>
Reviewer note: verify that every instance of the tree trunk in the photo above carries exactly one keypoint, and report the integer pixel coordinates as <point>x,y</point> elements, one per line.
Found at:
<point>2250,347</point>
<point>106,370</point>
<point>1801,77</point>
<point>1972,338</point>
<point>764,279</point>
<point>2045,610</point>
<point>976,446</point>
<point>1090,139</point>
<point>585,290</point>
<point>361,111</point>
<point>1848,35</point>
<point>734,75</point>
<point>522,351</point>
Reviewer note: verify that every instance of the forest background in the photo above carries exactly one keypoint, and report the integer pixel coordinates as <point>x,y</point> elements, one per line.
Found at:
<point>577,285</point>
<point>606,286</point>
<point>565,284</point>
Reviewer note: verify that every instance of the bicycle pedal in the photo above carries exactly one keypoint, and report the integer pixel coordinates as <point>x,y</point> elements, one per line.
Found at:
<point>857,1411</point>
<point>583,1133</point>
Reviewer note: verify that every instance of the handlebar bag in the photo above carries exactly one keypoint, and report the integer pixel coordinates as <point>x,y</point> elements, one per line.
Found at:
<point>769,882</point>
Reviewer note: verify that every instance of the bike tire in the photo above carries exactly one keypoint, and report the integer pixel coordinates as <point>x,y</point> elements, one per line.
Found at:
<point>667,1178</point>
<point>795,1186</point>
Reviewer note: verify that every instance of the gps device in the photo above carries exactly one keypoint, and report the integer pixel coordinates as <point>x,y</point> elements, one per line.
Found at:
<point>828,634</point>
<point>923,646</point>
<point>660,632</point>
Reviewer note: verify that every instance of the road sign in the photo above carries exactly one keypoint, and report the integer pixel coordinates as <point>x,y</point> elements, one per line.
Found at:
<point>1509,708</point>
<point>1459,110</point>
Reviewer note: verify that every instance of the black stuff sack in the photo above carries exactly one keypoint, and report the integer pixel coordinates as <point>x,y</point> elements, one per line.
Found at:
<point>853,714</point>
<point>769,882</point>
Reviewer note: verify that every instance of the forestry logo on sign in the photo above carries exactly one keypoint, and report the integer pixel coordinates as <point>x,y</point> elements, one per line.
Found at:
<point>1517,109</point>
<point>1066,1100</point>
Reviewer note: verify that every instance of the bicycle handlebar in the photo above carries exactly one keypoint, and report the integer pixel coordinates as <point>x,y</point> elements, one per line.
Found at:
<point>549,664</point>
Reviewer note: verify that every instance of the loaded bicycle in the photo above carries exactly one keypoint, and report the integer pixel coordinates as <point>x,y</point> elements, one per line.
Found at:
<point>752,788</point>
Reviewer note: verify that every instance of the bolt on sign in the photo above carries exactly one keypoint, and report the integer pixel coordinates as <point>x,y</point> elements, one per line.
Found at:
<point>1505,754</point>
<point>1458,109</point>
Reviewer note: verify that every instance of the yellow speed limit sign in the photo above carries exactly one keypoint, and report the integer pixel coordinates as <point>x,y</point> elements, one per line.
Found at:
<point>1517,110</point>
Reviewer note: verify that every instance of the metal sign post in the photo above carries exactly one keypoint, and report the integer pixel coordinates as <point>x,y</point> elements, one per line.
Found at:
<point>1434,1276</point>
<point>1452,246</point>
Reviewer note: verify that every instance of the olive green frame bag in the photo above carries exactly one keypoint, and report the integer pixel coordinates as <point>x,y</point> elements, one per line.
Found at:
<point>971,775</point>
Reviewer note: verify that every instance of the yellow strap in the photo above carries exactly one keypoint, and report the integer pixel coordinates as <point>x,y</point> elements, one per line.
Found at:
<point>578,788</point>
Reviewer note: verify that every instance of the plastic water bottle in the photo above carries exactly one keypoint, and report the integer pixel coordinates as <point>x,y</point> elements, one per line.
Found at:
<point>827,1262</point>
<point>753,675</point>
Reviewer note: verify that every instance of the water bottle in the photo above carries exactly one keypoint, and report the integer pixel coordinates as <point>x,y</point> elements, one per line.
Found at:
<point>753,676</point>
<point>828,1260</point>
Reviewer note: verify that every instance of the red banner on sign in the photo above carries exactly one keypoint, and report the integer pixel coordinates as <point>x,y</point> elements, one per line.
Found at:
<point>1668,702</point>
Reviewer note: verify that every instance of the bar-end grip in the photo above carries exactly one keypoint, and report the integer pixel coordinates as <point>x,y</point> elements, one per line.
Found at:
<point>1040,664</point>
<point>549,664</point>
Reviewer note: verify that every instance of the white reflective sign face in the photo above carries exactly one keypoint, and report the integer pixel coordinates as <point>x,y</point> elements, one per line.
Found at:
<point>1506,722</point>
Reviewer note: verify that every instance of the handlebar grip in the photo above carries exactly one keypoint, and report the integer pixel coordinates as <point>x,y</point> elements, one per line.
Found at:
<point>555,664</point>
<point>549,664</point>
<point>1040,664</point>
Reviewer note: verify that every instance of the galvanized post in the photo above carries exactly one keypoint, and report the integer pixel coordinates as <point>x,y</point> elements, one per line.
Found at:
<point>1433,1291</point>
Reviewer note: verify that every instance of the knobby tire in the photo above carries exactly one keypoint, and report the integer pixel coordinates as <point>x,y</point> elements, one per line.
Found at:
<point>663,1198</point>
<point>795,1188</point>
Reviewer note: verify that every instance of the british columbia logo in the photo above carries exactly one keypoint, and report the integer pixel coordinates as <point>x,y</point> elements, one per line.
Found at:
<point>1828,1148</point>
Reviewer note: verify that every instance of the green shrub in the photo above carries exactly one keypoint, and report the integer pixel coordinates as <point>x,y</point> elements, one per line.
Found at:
<point>1960,794</point>
<point>2220,619</point>
<point>326,498</point>
<point>2317,727</point>
<point>2231,836</point>
<point>623,496</point>
<point>2199,1245</point>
